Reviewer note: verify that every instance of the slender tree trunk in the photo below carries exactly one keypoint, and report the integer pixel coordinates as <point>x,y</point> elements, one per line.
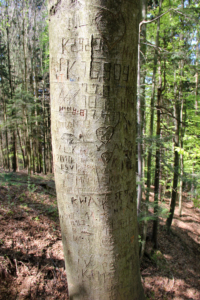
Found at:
<point>2,150</point>
<point>149,158</point>
<point>196,85</point>
<point>6,133</point>
<point>142,97</point>
<point>142,81</point>
<point>25,56</point>
<point>44,132</point>
<point>49,146</point>
<point>140,105</point>
<point>93,55</point>
<point>197,75</point>
<point>181,186</point>
<point>27,143</point>
<point>181,130</point>
<point>139,131</point>
<point>181,160</point>
<point>21,147</point>
<point>157,173</point>
<point>158,154</point>
<point>176,166</point>
<point>13,131</point>
<point>14,144</point>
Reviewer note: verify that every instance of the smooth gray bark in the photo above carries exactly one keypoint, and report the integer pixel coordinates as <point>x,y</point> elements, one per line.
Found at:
<point>141,103</point>
<point>93,66</point>
<point>149,158</point>
<point>177,106</point>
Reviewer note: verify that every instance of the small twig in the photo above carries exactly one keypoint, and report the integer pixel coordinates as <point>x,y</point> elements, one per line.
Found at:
<point>21,262</point>
<point>54,273</point>
<point>16,266</point>
<point>39,271</point>
<point>10,261</point>
<point>155,47</point>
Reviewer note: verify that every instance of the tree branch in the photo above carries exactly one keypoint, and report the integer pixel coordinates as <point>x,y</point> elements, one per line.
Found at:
<point>171,9</point>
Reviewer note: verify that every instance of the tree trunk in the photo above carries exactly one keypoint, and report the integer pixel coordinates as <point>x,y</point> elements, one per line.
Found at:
<point>178,108</point>
<point>3,162</point>
<point>181,159</point>
<point>93,65</point>
<point>7,165</point>
<point>140,106</point>
<point>176,165</point>
<point>142,98</point>
<point>181,129</point>
<point>21,147</point>
<point>14,141</point>
<point>157,173</point>
<point>181,186</point>
<point>149,158</point>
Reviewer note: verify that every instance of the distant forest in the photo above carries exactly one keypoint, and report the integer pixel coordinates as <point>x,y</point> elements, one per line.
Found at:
<point>25,130</point>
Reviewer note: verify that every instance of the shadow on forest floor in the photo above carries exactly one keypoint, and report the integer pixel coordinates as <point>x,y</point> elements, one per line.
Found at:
<point>31,255</point>
<point>173,271</point>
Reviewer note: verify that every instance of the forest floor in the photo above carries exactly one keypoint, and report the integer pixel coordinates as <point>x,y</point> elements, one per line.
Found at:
<point>31,253</point>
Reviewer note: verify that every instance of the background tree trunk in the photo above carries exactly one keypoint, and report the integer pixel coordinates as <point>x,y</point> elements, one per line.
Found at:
<point>93,65</point>
<point>141,104</point>
<point>176,165</point>
<point>149,157</point>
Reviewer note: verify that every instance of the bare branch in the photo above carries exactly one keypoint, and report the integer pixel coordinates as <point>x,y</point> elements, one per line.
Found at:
<point>171,9</point>
<point>152,45</point>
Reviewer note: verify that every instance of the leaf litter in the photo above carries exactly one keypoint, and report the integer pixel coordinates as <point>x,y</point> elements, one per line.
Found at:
<point>31,252</point>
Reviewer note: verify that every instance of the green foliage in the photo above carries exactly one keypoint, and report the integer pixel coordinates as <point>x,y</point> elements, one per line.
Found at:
<point>24,96</point>
<point>159,259</point>
<point>31,187</point>
<point>178,54</point>
<point>163,212</point>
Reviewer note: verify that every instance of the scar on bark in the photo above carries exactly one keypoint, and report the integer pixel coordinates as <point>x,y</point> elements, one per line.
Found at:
<point>53,10</point>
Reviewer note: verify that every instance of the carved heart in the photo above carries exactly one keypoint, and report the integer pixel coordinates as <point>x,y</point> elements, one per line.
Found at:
<point>111,27</point>
<point>106,157</point>
<point>104,134</point>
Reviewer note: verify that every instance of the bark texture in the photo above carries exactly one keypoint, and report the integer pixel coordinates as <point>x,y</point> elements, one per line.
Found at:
<point>93,55</point>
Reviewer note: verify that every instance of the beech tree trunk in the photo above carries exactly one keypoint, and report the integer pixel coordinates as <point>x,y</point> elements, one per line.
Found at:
<point>13,132</point>
<point>157,172</point>
<point>176,165</point>
<point>93,76</point>
<point>149,157</point>
<point>141,103</point>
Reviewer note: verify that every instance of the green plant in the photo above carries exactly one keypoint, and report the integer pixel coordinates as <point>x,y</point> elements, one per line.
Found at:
<point>31,188</point>
<point>159,259</point>
<point>139,239</point>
